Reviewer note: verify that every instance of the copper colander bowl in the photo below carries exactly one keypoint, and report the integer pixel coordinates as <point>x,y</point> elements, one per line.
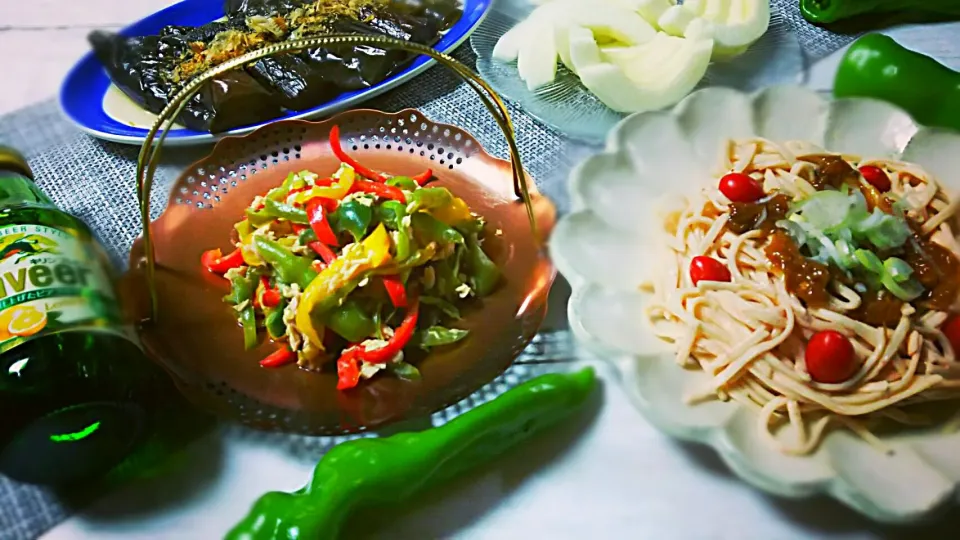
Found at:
<point>194,335</point>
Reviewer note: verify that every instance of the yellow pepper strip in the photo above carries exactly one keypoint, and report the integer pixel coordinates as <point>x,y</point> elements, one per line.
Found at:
<point>454,214</point>
<point>373,252</point>
<point>337,191</point>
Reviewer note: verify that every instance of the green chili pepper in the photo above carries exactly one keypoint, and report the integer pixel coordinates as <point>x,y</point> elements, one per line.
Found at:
<point>248,321</point>
<point>243,228</point>
<point>371,473</point>
<point>285,211</point>
<point>391,214</point>
<point>351,321</point>
<point>427,228</point>
<point>435,336</point>
<point>403,182</point>
<point>829,11</point>
<point>353,217</point>
<point>242,286</point>
<point>290,268</point>
<point>293,180</point>
<point>430,198</point>
<point>483,273</point>
<point>273,320</point>
<point>447,308</point>
<point>258,218</point>
<point>306,236</point>
<point>878,67</point>
<point>404,370</point>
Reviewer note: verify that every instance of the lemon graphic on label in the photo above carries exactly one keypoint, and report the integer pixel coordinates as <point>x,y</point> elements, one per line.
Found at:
<point>24,321</point>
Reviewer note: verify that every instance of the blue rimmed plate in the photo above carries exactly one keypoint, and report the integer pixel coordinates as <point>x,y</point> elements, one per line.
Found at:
<point>87,84</point>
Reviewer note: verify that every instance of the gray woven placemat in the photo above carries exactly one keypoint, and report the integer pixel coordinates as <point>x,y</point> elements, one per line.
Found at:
<point>94,181</point>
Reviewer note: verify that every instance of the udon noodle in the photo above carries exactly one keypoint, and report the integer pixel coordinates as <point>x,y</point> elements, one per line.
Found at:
<point>749,334</point>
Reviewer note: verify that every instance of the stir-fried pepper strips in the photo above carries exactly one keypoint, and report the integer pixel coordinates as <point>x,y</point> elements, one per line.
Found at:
<point>215,262</point>
<point>342,156</point>
<point>371,473</point>
<point>333,269</point>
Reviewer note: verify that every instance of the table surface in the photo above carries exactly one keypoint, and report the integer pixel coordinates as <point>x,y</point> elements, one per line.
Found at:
<point>611,477</point>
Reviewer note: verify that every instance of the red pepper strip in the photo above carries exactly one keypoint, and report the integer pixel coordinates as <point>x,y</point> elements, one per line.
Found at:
<point>396,290</point>
<point>271,297</point>
<point>380,190</point>
<point>323,251</point>
<point>214,261</point>
<point>423,177</point>
<point>401,337</point>
<point>281,357</point>
<point>317,215</point>
<point>348,369</point>
<point>342,156</point>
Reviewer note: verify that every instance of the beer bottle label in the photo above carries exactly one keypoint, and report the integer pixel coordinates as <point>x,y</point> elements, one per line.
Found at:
<point>51,281</point>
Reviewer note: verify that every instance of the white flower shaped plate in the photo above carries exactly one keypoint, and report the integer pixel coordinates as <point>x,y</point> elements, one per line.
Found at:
<point>606,247</point>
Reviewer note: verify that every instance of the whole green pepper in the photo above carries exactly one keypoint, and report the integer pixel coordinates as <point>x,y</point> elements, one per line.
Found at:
<point>878,67</point>
<point>285,211</point>
<point>290,268</point>
<point>431,229</point>
<point>371,473</point>
<point>484,274</point>
<point>828,11</point>
<point>353,217</point>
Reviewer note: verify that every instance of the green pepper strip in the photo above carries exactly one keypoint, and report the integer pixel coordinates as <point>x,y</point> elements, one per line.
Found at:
<point>371,473</point>
<point>829,11</point>
<point>290,268</point>
<point>878,67</point>
<point>242,288</point>
<point>434,230</point>
<point>281,210</point>
<point>483,271</point>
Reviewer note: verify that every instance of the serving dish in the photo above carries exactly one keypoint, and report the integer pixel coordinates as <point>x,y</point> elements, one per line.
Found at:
<point>86,86</point>
<point>196,338</point>
<point>567,106</point>
<point>605,248</point>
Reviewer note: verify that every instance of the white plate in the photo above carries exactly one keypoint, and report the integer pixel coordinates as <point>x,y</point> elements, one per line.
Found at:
<point>603,248</point>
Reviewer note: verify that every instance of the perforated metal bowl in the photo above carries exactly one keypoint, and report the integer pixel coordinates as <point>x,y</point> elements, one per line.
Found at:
<point>195,335</point>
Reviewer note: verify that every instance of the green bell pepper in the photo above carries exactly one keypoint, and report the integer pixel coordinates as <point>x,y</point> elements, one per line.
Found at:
<point>353,217</point>
<point>829,11</point>
<point>427,228</point>
<point>403,182</point>
<point>878,67</point>
<point>350,321</point>
<point>285,211</point>
<point>289,267</point>
<point>483,273</point>
<point>372,473</point>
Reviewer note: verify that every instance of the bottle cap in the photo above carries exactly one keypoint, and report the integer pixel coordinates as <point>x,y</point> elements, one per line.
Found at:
<point>11,160</point>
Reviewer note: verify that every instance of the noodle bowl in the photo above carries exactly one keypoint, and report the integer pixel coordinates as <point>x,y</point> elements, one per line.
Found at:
<point>751,332</point>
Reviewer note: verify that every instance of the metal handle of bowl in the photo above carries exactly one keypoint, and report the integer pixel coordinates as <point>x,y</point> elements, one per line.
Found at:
<point>150,151</point>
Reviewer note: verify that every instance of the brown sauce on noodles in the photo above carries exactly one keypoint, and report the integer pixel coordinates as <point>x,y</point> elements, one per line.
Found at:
<point>934,266</point>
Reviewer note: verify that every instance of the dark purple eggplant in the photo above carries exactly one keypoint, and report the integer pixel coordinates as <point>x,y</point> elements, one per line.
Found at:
<point>151,69</point>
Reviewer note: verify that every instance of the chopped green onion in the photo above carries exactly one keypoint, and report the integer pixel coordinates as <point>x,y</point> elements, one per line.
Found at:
<point>869,260</point>
<point>898,269</point>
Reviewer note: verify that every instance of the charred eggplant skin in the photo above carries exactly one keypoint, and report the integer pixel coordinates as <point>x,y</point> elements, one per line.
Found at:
<point>151,69</point>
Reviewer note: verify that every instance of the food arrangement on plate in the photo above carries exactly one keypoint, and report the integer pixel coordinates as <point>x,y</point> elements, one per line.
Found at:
<point>634,56</point>
<point>151,69</point>
<point>816,287</point>
<point>358,262</point>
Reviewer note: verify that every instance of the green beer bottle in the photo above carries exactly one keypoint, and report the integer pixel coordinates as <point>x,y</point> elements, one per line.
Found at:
<point>76,391</point>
